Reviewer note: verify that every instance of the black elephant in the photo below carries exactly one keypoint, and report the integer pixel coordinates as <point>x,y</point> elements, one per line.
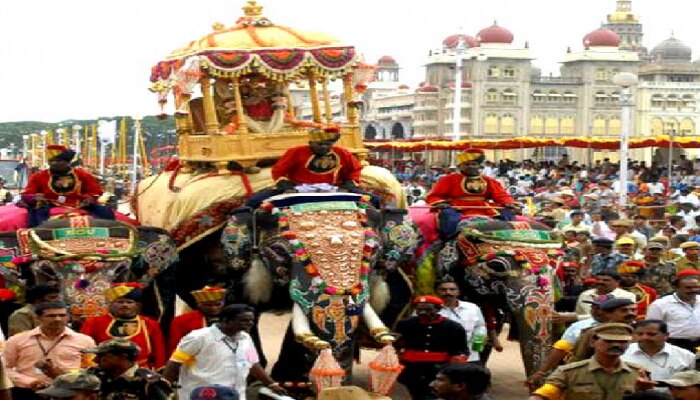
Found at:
<point>338,260</point>
<point>502,266</point>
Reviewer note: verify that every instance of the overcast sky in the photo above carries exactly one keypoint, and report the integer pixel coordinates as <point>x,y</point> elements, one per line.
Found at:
<point>80,59</point>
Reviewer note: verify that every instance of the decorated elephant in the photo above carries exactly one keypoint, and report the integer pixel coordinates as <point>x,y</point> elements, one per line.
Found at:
<point>194,208</point>
<point>85,255</point>
<point>337,257</point>
<point>502,265</point>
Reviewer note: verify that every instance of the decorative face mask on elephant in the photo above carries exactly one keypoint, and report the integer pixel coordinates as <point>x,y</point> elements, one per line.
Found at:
<point>333,261</point>
<point>502,265</point>
<point>84,256</point>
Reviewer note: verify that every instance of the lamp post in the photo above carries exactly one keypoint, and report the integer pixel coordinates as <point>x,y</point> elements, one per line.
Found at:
<point>134,161</point>
<point>76,139</point>
<point>25,146</point>
<point>625,80</point>
<point>670,158</point>
<point>457,107</point>
<point>43,144</point>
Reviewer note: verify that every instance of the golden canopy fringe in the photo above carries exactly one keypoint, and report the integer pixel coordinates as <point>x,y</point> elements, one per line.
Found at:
<point>527,142</point>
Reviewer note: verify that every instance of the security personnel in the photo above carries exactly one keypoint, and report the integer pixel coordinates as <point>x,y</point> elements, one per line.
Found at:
<point>120,376</point>
<point>427,342</point>
<point>603,376</point>
<point>691,260</point>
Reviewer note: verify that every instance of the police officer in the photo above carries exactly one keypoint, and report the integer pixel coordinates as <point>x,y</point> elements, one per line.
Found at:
<point>603,376</point>
<point>121,377</point>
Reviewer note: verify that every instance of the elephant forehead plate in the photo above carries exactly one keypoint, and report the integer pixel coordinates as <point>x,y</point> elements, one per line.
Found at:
<point>334,247</point>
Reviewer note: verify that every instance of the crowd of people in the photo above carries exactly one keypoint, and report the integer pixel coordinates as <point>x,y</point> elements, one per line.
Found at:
<point>630,278</point>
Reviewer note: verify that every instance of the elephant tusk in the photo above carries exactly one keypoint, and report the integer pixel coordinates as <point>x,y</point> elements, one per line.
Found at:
<point>371,319</point>
<point>300,323</point>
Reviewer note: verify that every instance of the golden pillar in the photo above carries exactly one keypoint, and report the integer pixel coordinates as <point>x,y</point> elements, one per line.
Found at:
<point>327,101</point>
<point>349,95</point>
<point>314,97</point>
<point>242,123</point>
<point>211,125</point>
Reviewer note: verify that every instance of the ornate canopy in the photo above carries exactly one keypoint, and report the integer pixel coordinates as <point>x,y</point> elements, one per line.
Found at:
<point>255,44</point>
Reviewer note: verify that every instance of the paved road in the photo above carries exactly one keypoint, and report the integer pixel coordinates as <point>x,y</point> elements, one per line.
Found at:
<point>506,367</point>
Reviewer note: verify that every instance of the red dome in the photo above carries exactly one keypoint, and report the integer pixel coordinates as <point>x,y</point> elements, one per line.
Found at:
<point>495,34</point>
<point>451,41</point>
<point>601,37</point>
<point>428,89</point>
<point>403,87</point>
<point>386,60</point>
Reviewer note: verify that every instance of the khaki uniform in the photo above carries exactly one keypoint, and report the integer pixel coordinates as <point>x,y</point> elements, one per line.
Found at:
<point>587,380</point>
<point>683,263</point>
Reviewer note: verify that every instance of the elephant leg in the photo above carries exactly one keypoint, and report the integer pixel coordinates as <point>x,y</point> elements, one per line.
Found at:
<point>294,362</point>
<point>255,335</point>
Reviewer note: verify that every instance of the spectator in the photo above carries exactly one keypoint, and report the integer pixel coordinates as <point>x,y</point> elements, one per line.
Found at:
<point>462,382</point>
<point>606,284</point>
<point>604,260</point>
<point>468,315</point>
<point>681,311</point>
<point>648,395</point>
<point>659,273</point>
<point>34,358</point>
<point>650,351</point>
<point>23,319</point>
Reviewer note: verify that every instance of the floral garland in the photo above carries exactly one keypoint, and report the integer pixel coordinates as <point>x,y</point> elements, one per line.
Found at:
<point>540,272</point>
<point>302,256</point>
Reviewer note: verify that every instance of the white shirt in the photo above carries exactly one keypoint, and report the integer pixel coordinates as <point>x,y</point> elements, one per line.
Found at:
<point>682,318</point>
<point>573,332</point>
<point>583,305</point>
<point>655,188</point>
<point>468,315</point>
<point>662,365</point>
<point>209,357</point>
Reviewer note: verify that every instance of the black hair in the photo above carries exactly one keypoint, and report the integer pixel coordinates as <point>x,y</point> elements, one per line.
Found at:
<point>231,311</point>
<point>677,280</point>
<point>663,327</point>
<point>445,279</point>
<point>49,305</point>
<point>35,293</point>
<point>476,378</point>
<point>648,395</point>
<point>573,213</point>
<point>611,274</point>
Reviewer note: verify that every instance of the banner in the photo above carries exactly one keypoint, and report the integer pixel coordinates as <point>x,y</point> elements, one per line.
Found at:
<point>663,141</point>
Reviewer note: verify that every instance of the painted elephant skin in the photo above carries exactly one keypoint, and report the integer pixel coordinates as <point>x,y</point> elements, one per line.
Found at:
<point>85,255</point>
<point>335,255</point>
<point>502,265</point>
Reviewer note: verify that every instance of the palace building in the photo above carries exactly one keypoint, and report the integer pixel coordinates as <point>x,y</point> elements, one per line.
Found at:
<point>503,95</point>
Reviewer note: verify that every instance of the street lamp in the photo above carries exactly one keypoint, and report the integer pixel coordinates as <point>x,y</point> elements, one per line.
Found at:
<point>134,161</point>
<point>625,80</point>
<point>460,49</point>
<point>43,144</point>
<point>76,139</point>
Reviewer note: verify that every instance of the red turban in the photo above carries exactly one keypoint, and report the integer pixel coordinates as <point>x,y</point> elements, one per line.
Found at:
<point>688,272</point>
<point>428,299</point>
